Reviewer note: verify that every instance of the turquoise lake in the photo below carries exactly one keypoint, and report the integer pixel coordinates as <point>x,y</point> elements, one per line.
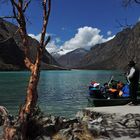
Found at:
<point>60,92</point>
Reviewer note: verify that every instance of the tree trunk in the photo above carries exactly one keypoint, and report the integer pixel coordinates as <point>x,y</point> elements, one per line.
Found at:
<point>19,129</point>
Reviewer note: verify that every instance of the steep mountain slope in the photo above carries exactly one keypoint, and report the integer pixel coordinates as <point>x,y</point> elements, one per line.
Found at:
<point>115,53</point>
<point>11,49</point>
<point>71,59</point>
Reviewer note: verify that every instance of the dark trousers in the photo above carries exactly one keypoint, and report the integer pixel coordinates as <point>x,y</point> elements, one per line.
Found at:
<point>133,92</point>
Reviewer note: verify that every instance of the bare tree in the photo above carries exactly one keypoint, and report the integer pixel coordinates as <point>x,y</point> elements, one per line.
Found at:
<point>19,8</point>
<point>123,25</point>
<point>129,2</point>
<point>126,3</point>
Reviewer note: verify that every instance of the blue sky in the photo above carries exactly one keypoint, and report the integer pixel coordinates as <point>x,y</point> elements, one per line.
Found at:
<point>77,22</point>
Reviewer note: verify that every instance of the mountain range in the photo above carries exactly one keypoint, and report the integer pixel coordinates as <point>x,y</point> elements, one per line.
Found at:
<point>116,53</point>
<point>73,58</point>
<point>113,54</point>
<point>11,49</point>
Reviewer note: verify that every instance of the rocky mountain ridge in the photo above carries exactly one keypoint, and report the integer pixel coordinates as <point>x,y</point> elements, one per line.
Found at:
<point>72,59</point>
<point>116,53</point>
<point>11,49</point>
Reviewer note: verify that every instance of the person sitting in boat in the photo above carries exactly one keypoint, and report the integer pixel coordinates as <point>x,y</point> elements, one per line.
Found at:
<point>105,90</point>
<point>94,90</point>
<point>122,89</point>
<point>113,84</point>
<point>113,93</point>
<point>113,89</point>
<point>125,91</point>
<point>94,84</point>
<point>120,86</point>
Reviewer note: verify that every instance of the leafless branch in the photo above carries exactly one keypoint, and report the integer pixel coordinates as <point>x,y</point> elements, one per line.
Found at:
<point>47,41</point>
<point>125,25</point>
<point>14,9</point>
<point>126,2</point>
<point>19,7</point>
<point>119,24</point>
<point>129,2</point>
<point>14,2</point>
<point>28,20</point>
<point>28,63</point>
<point>26,5</point>
<point>8,17</point>
<point>137,1</point>
<point>45,19</point>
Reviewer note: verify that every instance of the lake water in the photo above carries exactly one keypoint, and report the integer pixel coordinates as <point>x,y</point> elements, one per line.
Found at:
<point>60,92</point>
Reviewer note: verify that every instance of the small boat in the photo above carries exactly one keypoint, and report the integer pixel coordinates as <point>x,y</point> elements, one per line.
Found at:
<point>110,102</point>
<point>98,98</point>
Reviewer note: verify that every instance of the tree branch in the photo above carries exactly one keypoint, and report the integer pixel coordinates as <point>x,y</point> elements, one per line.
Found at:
<point>137,1</point>
<point>129,2</point>
<point>28,63</point>
<point>123,26</point>
<point>14,2</point>
<point>26,5</point>
<point>14,6</point>
<point>8,17</point>
<point>126,2</point>
<point>19,15</point>
<point>47,41</point>
<point>46,14</point>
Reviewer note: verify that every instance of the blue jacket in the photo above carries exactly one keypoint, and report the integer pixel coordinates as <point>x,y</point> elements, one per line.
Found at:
<point>126,91</point>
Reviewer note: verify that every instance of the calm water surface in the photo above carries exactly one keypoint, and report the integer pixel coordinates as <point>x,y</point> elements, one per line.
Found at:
<point>60,92</point>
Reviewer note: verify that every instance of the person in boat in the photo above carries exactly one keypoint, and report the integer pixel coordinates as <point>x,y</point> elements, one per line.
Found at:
<point>94,89</point>
<point>133,78</point>
<point>113,91</point>
<point>125,91</point>
<point>94,84</point>
<point>120,86</point>
<point>113,84</point>
<point>117,89</point>
<point>109,90</point>
<point>105,90</point>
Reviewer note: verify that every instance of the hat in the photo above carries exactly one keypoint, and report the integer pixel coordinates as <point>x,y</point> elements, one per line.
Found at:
<point>96,84</point>
<point>131,63</point>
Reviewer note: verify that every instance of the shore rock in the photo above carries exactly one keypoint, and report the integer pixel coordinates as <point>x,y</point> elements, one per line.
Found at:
<point>112,125</point>
<point>89,124</point>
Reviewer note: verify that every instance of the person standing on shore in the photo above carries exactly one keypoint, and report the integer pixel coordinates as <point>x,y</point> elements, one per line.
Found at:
<point>133,78</point>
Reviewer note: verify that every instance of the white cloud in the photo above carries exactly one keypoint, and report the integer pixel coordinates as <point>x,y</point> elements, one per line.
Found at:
<point>109,33</point>
<point>139,19</point>
<point>52,47</point>
<point>86,37</point>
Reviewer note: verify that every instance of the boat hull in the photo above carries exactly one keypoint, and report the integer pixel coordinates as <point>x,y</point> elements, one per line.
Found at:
<point>110,102</point>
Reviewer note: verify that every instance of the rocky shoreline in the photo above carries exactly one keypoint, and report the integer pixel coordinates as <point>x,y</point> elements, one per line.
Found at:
<point>104,125</point>
<point>89,124</point>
